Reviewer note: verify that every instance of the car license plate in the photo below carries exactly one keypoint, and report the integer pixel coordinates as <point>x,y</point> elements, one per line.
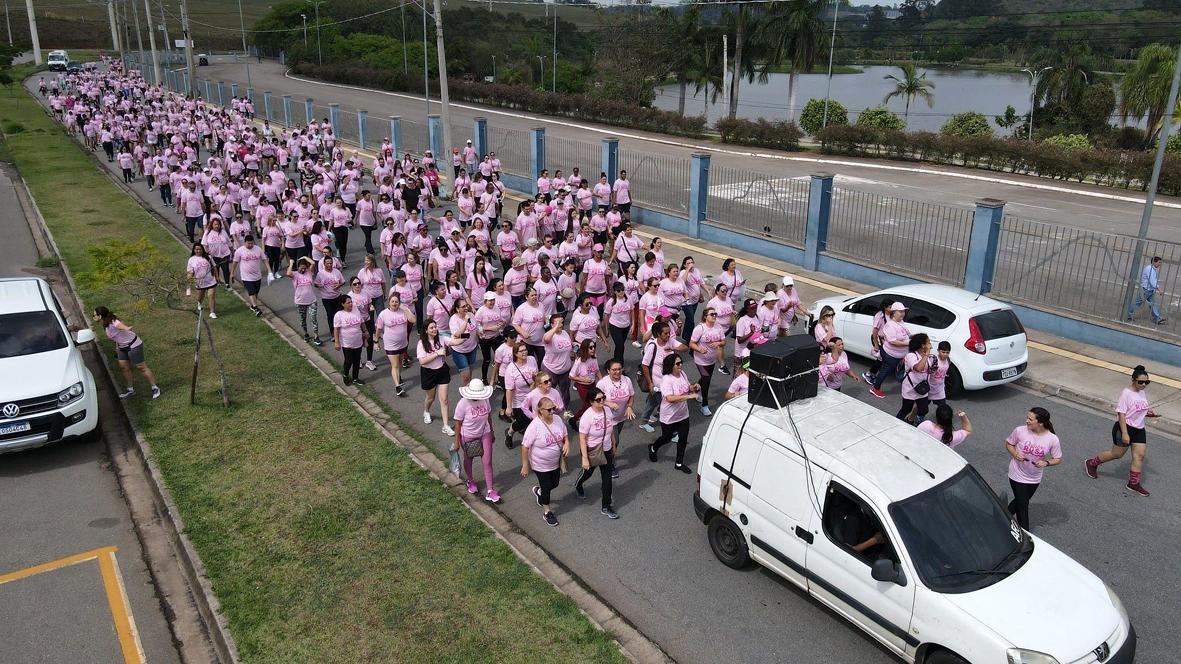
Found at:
<point>14,427</point>
<point>1009,373</point>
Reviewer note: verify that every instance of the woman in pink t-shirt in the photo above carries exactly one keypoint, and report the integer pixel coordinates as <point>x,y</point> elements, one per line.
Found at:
<point>584,373</point>
<point>545,445</point>
<point>595,432</point>
<point>834,365</point>
<point>518,380</point>
<point>559,355</point>
<point>1128,431</point>
<point>473,422</point>
<point>200,271</point>
<point>393,331</point>
<point>1033,447</point>
<point>708,343</point>
<point>675,392</point>
<point>741,382</point>
<point>349,334</point>
<point>618,316</point>
<point>915,387</point>
<point>435,375</point>
<point>129,349</point>
<point>941,428</point>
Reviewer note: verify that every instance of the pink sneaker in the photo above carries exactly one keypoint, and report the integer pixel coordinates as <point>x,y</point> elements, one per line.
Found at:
<point>471,487</point>
<point>1092,470</point>
<point>1137,489</point>
<point>492,496</point>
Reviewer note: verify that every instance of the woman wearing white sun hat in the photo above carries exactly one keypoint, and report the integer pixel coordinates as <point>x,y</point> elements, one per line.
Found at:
<point>473,434</point>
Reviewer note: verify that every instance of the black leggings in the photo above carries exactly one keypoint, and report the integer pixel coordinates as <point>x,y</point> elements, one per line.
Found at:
<point>368,232</point>
<point>331,306</point>
<point>922,403</point>
<point>223,265</point>
<point>342,241</point>
<point>372,327</point>
<point>604,474</point>
<point>548,481</point>
<point>274,257</point>
<point>536,352</point>
<point>488,351</point>
<point>1019,506</point>
<point>352,363</point>
<point>679,429</point>
<point>618,341</point>
<point>127,176</point>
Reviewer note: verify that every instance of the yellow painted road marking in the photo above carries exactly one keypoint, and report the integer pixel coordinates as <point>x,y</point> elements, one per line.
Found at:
<point>108,565</point>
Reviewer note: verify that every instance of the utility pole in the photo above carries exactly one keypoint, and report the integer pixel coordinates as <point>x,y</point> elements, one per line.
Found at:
<point>168,45</point>
<point>33,32</point>
<point>8,22</point>
<point>152,42</point>
<point>555,60</point>
<point>1150,198</point>
<point>114,26</point>
<point>245,51</point>
<point>405,48</point>
<point>726,72</point>
<point>188,37</point>
<point>443,96</point>
<point>139,38</point>
<point>832,45</point>
<point>319,50</point>
<point>426,81</point>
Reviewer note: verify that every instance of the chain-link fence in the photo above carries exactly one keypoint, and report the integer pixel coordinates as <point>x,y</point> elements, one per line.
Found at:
<point>915,237</point>
<point>657,181</point>
<point>1083,272</point>
<point>512,148</point>
<point>753,203</point>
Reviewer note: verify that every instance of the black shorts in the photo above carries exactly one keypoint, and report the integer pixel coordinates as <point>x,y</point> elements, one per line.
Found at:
<point>398,351</point>
<point>520,421</point>
<point>252,287</point>
<point>432,378</point>
<point>1136,435</point>
<point>625,208</point>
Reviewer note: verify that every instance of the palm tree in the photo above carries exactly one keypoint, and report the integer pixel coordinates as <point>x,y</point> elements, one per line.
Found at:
<point>910,85</point>
<point>738,64</point>
<point>795,34</point>
<point>703,66</point>
<point>1144,91</point>
<point>688,30</point>
<point>1070,76</point>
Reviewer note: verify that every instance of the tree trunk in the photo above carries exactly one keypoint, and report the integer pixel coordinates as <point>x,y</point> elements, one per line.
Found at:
<point>683,84</point>
<point>906,114</point>
<point>791,95</point>
<point>739,39</point>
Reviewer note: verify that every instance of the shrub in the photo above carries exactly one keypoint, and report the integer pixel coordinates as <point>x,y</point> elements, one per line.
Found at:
<point>970,123</point>
<point>812,118</point>
<point>1173,145</point>
<point>780,135</point>
<point>879,117</point>
<point>1070,141</point>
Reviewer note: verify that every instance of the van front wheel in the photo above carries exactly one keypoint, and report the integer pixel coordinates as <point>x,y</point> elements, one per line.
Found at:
<point>945,657</point>
<point>728,543</point>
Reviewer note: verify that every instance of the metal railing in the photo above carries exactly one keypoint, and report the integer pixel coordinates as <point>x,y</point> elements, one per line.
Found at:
<point>512,148</point>
<point>567,154</point>
<point>346,127</point>
<point>751,202</point>
<point>924,239</point>
<point>1083,272</point>
<point>415,137</point>
<point>658,181</point>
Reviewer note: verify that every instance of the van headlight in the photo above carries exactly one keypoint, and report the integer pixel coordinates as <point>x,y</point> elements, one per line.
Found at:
<point>70,394</point>
<point>1022,656</point>
<point>1119,606</point>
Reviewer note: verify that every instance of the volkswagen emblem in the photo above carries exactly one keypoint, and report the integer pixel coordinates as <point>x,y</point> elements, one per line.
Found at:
<point>1102,652</point>
<point>11,410</point>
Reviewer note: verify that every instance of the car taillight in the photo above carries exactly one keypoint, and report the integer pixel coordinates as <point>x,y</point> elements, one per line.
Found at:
<point>975,342</point>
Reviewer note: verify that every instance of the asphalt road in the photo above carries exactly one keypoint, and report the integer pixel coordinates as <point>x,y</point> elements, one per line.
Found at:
<point>655,565</point>
<point>59,501</point>
<point>647,150</point>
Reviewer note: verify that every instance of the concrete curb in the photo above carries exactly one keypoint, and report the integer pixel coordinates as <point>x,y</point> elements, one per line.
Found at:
<point>632,643</point>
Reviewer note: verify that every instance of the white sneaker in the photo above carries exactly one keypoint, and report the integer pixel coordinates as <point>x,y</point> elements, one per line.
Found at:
<point>213,315</point>
<point>637,344</point>
<point>371,366</point>
<point>448,431</point>
<point>426,417</point>
<point>155,392</point>
<point>270,278</point>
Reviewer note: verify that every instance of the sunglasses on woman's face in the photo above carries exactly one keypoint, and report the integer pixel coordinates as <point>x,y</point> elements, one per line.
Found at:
<point>545,382</point>
<point>711,315</point>
<point>546,410</point>
<point>1144,382</point>
<point>600,399</point>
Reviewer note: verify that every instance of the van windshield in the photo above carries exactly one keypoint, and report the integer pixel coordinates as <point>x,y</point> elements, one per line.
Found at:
<point>30,332</point>
<point>959,535</point>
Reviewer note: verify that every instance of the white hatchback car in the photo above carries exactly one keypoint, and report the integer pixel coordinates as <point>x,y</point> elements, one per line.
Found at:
<point>48,394</point>
<point>988,342</point>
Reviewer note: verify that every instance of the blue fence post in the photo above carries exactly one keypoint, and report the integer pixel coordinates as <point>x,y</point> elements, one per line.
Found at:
<point>819,212</point>
<point>233,90</point>
<point>983,245</point>
<point>208,90</point>
<point>698,193</point>
<point>536,154</point>
<point>396,135</point>
<point>480,142</point>
<point>361,115</point>
<point>286,110</point>
<point>308,110</point>
<point>334,118</point>
<point>221,93</point>
<point>611,158</point>
<point>266,107</point>
<point>187,89</point>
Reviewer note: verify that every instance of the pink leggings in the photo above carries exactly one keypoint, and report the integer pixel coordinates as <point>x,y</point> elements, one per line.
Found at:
<point>486,460</point>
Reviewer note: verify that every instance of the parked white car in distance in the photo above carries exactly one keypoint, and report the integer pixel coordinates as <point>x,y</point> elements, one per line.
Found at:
<point>988,341</point>
<point>898,534</point>
<point>48,394</point>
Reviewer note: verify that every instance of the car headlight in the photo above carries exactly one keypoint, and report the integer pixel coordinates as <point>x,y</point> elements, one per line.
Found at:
<point>71,393</point>
<point>1022,656</point>
<point>1119,606</point>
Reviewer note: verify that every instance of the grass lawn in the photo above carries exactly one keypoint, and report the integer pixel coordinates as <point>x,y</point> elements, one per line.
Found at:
<point>324,541</point>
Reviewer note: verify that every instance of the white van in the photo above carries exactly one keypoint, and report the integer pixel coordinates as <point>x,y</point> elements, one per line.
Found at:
<point>898,534</point>
<point>58,60</point>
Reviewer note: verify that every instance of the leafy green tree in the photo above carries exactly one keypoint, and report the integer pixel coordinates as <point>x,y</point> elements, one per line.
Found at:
<point>812,118</point>
<point>879,117</point>
<point>970,123</point>
<point>1008,120</point>
<point>1072,72</point>
<point>910,85</point>
<point>1145,88</point>
<point>795,34</point>
<point>1173,145</point>
<point>1070,141</point>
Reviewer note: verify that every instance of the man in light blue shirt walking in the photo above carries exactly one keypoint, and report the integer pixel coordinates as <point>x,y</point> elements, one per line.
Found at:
<point>1149,281</point>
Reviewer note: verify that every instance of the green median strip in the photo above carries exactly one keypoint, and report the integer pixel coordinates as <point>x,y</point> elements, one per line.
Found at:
<point>324,541</point>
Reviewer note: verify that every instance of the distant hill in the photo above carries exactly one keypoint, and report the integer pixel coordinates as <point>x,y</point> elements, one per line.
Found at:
<point>967,8</point>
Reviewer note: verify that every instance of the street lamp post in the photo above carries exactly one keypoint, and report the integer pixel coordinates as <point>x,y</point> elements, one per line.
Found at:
<point>541,76</point>
<point>832,44</point>
<point>1033,77</point>
<point>494,69</point>
<point>245,50</point>
<point>319,52</point>
<point>305,29</point>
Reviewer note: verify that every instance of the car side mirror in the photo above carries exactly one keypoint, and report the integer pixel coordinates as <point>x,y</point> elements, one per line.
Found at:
<point>84,336</point>
<point>887,571</point>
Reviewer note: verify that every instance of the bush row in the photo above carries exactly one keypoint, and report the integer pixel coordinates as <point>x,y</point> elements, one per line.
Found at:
<point>781,135</point>
<point>1117,168</point>
<point>520,97</point>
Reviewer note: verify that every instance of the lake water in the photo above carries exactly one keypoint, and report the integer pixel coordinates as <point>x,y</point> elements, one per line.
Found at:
<point>956,91</point>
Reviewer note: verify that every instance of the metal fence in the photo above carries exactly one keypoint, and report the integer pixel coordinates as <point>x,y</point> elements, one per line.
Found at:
<point>924,239</point>
<point>461,133</point>
<point>568,154</point>
<point>512,148</point>
<point>750,202</point>
<point>415,137</point>
<point>658,181</point>
<point>346,127</point>
<point>377,129</point>
<point>1080,271</point>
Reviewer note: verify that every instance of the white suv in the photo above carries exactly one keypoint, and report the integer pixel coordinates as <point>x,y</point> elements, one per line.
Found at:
<point>895,532</point>
<point>48,393</point>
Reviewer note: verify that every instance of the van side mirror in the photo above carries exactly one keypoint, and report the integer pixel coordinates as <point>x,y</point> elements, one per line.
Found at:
<point>84,336</point>
<point>886,571</point>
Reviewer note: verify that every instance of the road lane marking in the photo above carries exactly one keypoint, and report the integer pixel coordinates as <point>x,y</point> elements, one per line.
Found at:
<point>108,565</point>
